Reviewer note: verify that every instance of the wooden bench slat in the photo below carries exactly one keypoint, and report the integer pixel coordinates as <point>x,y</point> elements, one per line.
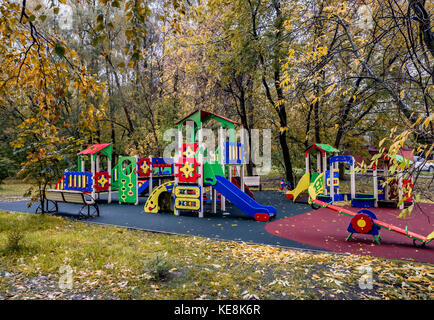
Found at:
<point>253,181</point>
<point>68,196</point>
<point>71,196</point>
<point>54,196</point>
<point>74,198</point>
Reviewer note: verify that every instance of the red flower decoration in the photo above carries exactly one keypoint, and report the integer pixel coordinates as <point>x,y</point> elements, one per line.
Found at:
<point>362,223</point>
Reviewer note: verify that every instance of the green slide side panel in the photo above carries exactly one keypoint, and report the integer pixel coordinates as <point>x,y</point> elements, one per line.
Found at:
<point>127,180</point>
<point>210,170</point>
<point>313,176</point>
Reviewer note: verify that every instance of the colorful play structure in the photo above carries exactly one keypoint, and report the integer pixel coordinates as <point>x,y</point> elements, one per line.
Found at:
<point>363,221</point>
<point>180,184</point>
<point>200,172</point>
<point>396,193</point>
<point>310,175</point>
<point>197,175</point>
<point>322,186</point>
<point>130,178</point>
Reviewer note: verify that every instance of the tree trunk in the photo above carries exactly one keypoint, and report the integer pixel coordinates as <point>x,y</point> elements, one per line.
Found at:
<point>423,17</point>
<point>281,112</point>
<point>244,120</point>
<point>309,114</point>
<point>316,121</point>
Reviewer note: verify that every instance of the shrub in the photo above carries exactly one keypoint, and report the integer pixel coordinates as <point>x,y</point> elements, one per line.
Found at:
<point>158,267</point>
<point>14,239</point>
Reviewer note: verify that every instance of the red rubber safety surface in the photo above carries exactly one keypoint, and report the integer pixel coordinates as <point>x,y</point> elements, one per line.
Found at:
<point>327,229</point>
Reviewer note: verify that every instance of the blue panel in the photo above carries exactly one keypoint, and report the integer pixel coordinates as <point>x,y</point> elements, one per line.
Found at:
<point>336,176</point>
<point>339,197</point>
<point>359,203</point>
<point>86,188</point>
<point>156,161</point>
<point>143,187</point>
<point>229,156</point>
<point>361,195</point>
<point>324,198</point>
<point>346,159</point>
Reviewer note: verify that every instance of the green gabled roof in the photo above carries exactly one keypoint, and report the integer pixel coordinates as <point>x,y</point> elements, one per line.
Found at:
<point>323,147</point>
<point>327,147</point>
<point>200,116</point>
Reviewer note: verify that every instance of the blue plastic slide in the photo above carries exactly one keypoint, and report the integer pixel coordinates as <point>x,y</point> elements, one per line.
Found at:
<point>242,200</point>
<point>143,187</point>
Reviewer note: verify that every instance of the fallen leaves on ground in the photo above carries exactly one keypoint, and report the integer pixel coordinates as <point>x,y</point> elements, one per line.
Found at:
<point>108,263</point>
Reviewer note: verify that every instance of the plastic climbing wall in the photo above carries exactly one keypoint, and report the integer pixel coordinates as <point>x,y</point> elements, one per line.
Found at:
<point>127,180</point>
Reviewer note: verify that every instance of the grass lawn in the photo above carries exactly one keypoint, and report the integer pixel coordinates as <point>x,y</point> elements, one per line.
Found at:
<point>37,252</point>
<point>13,189</point>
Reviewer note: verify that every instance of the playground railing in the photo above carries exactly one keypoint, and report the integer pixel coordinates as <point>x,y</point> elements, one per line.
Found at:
<point>234,152</point>
<point>79,181</point>
<point>163,166</point>
<point>115,175</point>
<point>60,185</point>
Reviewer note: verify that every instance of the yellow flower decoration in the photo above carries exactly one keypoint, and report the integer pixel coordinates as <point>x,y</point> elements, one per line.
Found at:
<point>189,152</point>
<point>187,169</point>
<point>144,167</point>
<point>102,181</point>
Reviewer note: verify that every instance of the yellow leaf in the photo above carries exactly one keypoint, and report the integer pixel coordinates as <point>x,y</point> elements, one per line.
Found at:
<point>426,122</point>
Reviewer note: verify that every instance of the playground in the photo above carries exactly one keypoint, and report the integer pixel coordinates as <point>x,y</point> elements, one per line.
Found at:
<point>297,226</point>
<point>203,192</point>
<point>217,150</point>
<point>179,213</point>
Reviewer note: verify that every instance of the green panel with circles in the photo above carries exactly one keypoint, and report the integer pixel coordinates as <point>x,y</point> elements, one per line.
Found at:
<point>127,180</point>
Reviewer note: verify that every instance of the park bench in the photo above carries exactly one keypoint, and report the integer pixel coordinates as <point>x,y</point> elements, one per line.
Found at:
<point>253,181</point>
<point>53,196</point>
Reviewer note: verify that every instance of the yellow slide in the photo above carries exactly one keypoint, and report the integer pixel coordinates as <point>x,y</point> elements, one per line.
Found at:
<point>152,204</point>
<point>302,185</point>
<point>316,188</point>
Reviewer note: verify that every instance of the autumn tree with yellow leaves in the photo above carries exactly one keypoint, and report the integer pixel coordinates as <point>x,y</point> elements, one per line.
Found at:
<point>40,78</point>
<point>348,73</point>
